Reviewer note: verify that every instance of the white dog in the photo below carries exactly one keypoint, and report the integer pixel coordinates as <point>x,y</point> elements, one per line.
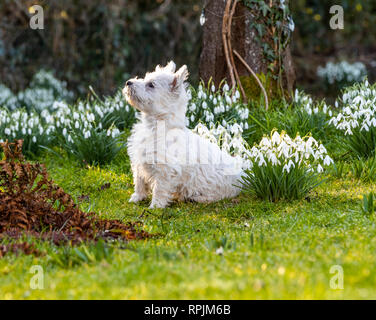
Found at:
<point>167,158</point>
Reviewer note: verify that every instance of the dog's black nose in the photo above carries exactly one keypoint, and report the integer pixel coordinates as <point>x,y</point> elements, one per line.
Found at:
<point>129,83</point>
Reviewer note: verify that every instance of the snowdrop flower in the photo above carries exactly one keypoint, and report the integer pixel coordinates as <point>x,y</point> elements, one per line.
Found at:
<point>281,150</point>
<point>359,110</point>
<point>275,138</point>
<point>115,133</point>
<point>265,142</point>
<point>219,251</point>
<point>202,19</point>
<point>342,71</point>
<point>229,140</point>
<point>217,108</point>
<point>192,107</point>
<point>328,161</point>
<point>286,168</point>
<point>291,24</point>
<point>273,159</point>
<point>261,160</point>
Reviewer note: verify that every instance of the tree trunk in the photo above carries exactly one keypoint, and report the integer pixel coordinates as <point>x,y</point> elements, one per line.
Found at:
<point>243,39</point>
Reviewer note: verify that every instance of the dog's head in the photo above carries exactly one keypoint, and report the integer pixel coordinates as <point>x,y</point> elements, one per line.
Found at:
<point>160,92</point>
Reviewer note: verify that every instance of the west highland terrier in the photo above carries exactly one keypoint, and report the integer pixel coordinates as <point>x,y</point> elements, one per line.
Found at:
<point>167,158</point>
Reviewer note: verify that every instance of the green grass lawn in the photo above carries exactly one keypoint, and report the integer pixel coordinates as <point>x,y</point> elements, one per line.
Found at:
<point>281,250</point>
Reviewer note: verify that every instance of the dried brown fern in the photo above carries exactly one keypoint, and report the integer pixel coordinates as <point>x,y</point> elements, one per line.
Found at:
<point>31,203</point>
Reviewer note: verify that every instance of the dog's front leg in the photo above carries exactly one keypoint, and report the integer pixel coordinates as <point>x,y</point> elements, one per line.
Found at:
<point>140,188</point>
<point>162,195</point>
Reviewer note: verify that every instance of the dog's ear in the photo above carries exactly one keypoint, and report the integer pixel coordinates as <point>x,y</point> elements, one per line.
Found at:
<point>182,73</point>
<point>180,77</point>
<point>171,66</point>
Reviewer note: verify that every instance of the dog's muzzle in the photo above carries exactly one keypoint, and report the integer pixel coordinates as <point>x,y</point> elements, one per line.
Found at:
<point>127,88</point>
<point>130,94</point>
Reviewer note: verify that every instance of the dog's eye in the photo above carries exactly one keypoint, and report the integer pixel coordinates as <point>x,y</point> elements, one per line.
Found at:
<point>150,85</point>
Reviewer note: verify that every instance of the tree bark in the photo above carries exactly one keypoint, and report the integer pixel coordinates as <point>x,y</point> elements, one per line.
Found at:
<point>243,38</point>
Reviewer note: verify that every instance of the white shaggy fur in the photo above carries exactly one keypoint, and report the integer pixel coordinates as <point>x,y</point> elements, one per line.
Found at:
<point>167,158</point>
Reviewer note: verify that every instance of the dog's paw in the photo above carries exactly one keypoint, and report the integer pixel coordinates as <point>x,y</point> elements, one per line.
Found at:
<point>158,204</point>
<point>137,197</point>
